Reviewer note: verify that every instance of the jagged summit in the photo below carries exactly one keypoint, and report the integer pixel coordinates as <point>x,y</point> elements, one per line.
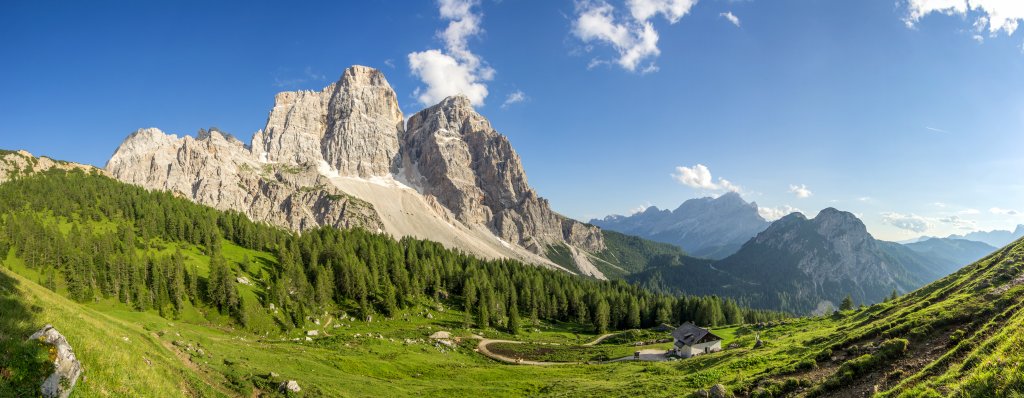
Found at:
<point>344,156</point>
<point>703,227</point>
<point>353,126</point>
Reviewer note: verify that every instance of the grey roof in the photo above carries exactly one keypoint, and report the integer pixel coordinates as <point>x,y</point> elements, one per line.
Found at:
<point>690,334</point>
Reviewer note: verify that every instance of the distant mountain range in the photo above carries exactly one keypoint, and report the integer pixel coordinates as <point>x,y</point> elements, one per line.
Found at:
<point>707,227</point>
<point>807,265</point>
<point>959,252</point>
<point>997,238</point>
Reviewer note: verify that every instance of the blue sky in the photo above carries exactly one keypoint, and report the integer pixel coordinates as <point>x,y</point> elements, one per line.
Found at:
<point>908,113</point>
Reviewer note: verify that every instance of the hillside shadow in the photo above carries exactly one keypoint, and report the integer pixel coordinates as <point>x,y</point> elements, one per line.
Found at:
<point>23,364</point>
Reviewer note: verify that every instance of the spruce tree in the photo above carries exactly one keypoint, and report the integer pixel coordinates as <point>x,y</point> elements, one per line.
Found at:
<point>847,303</point>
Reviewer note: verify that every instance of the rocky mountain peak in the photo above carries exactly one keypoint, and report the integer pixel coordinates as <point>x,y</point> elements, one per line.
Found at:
<point>343,156</point>
<point>456,156</point>
<point>831,221</point>
<point>353,126</point>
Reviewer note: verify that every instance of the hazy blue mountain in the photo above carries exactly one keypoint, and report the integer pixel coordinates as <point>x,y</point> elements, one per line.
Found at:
<point>997,238</point>
<point>959,252</point>
<point>800,265</point>
<point>706,227</point>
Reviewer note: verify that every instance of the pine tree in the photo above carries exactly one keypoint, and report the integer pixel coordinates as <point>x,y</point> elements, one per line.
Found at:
<point>847,303</point>
<point>602,316</point>
<point>633,314</point>
<point>514,322</point>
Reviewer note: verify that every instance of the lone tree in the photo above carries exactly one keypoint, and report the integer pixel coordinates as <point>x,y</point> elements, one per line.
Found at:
<point>894,295</point>
<point>847,304</point>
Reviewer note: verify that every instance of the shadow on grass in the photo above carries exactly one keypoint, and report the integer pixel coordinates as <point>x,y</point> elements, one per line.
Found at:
<point>23,364</point>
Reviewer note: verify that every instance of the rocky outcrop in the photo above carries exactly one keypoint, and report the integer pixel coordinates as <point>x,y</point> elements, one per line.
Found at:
<point>289,386</point>
<point>66,367</point>
<point>454,154</point>
<point>343,157</point>
<point>14,164</point>
<point>217,170</point>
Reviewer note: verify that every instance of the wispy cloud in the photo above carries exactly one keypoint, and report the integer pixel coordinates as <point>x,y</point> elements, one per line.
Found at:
<point>514,97</point>
<point>959,222</point>
<point>455,69</point>
<point>909,222</point>
<point>801,191</point>
<point>731,18</point>
<point>296,80</point>
<point>633,37</point>
<point>699,176</point>
<point>1003,212</point>
<point>937,130</point>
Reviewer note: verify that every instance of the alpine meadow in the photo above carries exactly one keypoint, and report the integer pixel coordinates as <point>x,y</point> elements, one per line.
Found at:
<point>785,199</point>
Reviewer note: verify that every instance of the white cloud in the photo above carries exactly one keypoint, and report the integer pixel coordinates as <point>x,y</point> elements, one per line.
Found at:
<point>801,191</point>
<point>775,213</point>
<point>937,130</point>
<point>994,15</point>
<point>390,63</point>
<point>910,222</point>
<point>864,199</point>
<point>454,70</point>
<point>633,38</point>
<point>959,223</point>
<point>1003,212</point>
<point>699,176</point>
<point>970,211</point>
<point>731,17</point>
<point>514,97</point>
<point>639,209</point>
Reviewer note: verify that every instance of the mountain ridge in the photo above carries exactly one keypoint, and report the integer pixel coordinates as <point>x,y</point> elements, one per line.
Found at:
<point>344,157</point>
<point>703,227</point>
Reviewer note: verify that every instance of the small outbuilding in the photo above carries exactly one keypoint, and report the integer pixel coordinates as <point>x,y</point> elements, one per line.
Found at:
<point>691,340</point>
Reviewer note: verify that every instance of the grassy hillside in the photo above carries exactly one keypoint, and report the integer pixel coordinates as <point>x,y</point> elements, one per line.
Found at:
<point>959,336</point>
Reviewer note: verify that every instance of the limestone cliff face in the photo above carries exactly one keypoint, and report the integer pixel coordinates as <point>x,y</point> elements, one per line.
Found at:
<point>353,125</point>
<point>217,170</point>
<point>454,154</point>
<point>14,164</point>
<point>343,157</point>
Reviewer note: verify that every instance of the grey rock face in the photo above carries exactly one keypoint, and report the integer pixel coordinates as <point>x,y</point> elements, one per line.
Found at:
<point>454,154</point>
<point>353,125</point>
<point>325,156</point>
<point>66,367</point>
<point>218,171</point>
<point>289,386</point>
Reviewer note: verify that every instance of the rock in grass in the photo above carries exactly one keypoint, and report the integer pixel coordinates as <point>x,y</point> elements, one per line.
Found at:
<point>289,386</point>
<point>66,367</point>
<point>719,391</point>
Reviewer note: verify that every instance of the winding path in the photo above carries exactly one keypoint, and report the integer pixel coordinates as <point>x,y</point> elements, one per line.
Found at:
<point>645,355</point>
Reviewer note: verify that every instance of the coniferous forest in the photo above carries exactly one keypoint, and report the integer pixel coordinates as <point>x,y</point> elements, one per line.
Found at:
<point>102,239</point>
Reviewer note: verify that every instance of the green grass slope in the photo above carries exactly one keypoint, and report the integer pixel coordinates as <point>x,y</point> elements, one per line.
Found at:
<point>121,358</point>
<point>960,336</point>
